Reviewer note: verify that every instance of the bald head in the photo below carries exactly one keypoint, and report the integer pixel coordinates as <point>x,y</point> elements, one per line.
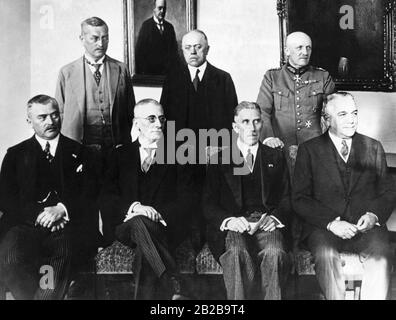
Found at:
<point>298,49</point>
<point>195,47</point>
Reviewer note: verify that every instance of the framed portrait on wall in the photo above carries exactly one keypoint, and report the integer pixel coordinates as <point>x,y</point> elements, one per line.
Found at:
<point>352,39</point>
<point>153,36</point>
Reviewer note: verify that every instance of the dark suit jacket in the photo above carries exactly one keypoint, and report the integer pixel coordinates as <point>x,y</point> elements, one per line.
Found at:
<point>170,194</point>
<point>222,196</point>
<point>319,195</point>
<point>220,96</point>
<point>155,53</point>
<point>18,178</point>
<point>70,94</point>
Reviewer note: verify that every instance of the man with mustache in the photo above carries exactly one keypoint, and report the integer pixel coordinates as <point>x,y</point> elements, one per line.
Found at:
<point>291,97</point>
<point>199,96</point>
<point>156,46</point>
<point>45,191</point>
<point>344,193</point>
<point>96,99</point>
<point>236,196</point>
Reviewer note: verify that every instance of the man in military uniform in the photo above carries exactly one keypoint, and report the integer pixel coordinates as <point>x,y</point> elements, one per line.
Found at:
<point>291,98</point>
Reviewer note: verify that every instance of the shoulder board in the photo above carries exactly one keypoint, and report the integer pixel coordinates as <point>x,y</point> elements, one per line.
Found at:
<point>319,68</point>
<point>275,69</point>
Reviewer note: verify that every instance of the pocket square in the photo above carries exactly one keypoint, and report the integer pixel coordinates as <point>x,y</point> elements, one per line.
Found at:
<point>74,155</point>
<point>270,165</point>
<point>79,169</point>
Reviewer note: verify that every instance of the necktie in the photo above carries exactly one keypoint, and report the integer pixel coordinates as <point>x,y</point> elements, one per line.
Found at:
<point>47,152</point>
<point>196,80</point>
<point>344,149</point>
<point>147,161</point>
<point>160,27</point>
<point>97,74</point>
<point>250,159</point>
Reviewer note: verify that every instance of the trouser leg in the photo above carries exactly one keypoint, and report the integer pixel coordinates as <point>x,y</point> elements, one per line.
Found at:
<point>238,267</point>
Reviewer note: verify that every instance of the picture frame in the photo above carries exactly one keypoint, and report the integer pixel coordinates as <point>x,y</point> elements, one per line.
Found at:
<point>352,39</point>
<point>182,14</point>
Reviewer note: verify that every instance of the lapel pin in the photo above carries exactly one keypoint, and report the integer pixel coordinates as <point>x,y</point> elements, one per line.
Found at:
<point>270,165</point>
<point>79,169</point>
<point>74,155</point>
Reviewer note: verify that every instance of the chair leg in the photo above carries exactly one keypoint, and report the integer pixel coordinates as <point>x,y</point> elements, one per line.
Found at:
<point>2,291</point>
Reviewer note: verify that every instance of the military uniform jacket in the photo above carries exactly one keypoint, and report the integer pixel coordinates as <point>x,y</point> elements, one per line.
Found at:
<point>291,102</point>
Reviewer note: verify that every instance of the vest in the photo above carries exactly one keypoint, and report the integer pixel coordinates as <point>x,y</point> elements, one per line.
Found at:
<point>97,128</point>
<point>252,190</point>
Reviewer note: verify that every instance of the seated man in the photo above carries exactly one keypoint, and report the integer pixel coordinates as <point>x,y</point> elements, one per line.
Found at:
<point>42,195</point>
<point>235,195</point>
<point>151,203</point>
<point>344,193</point>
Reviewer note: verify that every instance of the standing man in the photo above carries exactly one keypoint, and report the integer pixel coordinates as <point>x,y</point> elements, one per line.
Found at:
<point>232,201</point>
<point>96,98</point>
<point>151,201</point>
<point>291,97</point>
<point>44,198</point>
<point>198,96</point>
<point>344,193</point>
<point>156,46</point>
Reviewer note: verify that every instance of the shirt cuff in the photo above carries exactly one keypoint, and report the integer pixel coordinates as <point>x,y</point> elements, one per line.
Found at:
<point>376,218</point>
<point>224,223</point>
<point>278,223</point>
<point>130,210</point>
<point>329,224</point>
<point>66,217</point>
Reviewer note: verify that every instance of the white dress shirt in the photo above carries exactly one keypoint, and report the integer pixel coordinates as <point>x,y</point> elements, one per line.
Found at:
<point>193,71</point>
<point>337,141</point>
<point>91,67</point>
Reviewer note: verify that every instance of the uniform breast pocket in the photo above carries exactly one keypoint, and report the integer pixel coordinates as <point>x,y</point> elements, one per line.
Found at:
<point>281,98</point>
<point>315,95</point>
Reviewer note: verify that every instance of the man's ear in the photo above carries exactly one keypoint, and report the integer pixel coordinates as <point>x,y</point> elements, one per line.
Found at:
<point>235,127</point>
<point>287,51</point>
<point>207,49</point>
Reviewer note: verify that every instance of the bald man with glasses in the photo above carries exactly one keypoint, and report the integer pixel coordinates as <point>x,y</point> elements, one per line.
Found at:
<point>150,202</point>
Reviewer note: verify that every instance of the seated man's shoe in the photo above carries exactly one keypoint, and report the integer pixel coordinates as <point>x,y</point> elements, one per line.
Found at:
<point>178,292</point>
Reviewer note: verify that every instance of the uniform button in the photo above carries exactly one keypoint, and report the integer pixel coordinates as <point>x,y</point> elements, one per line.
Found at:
<point>280,92</point>
<point>298,91</point>
<point>298,106</point>
<point>298,98</point>
<point>299,113</point>
<point>298,128</point>
<point>314,92</point>
<point>298,121</point>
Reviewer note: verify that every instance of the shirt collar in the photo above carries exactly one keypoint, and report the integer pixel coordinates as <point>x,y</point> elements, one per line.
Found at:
<point>157,21</point>
<point>243,147</point>
<point>53,143</point>
<point>193,71</point>
<point>100,61</point>
<point>146,145</point>
<point>296,71</point>
<point>337,141</point>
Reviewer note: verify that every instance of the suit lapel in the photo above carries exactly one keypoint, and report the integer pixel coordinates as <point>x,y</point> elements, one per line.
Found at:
<point>233,180</point>
<point>30,164</point>
<point>263,162</point>
<point>328,160</point>
<point>78,84</point>
<point>113,76</point>
<point>356,160</point>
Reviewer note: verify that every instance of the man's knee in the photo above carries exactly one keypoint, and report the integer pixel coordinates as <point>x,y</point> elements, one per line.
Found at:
<point>325,254</point>
<point>236,245</point>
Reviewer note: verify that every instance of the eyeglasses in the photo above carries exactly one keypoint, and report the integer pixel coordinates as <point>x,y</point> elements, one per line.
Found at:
<point>153,118</point>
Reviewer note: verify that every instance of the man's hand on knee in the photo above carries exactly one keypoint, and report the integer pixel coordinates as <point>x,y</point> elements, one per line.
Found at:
<point>343,229</point>
<point>268,224</point>
<point>238,224</point>
<point>366,222</point>
<point>147,211</point>
<point>50,215</point>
